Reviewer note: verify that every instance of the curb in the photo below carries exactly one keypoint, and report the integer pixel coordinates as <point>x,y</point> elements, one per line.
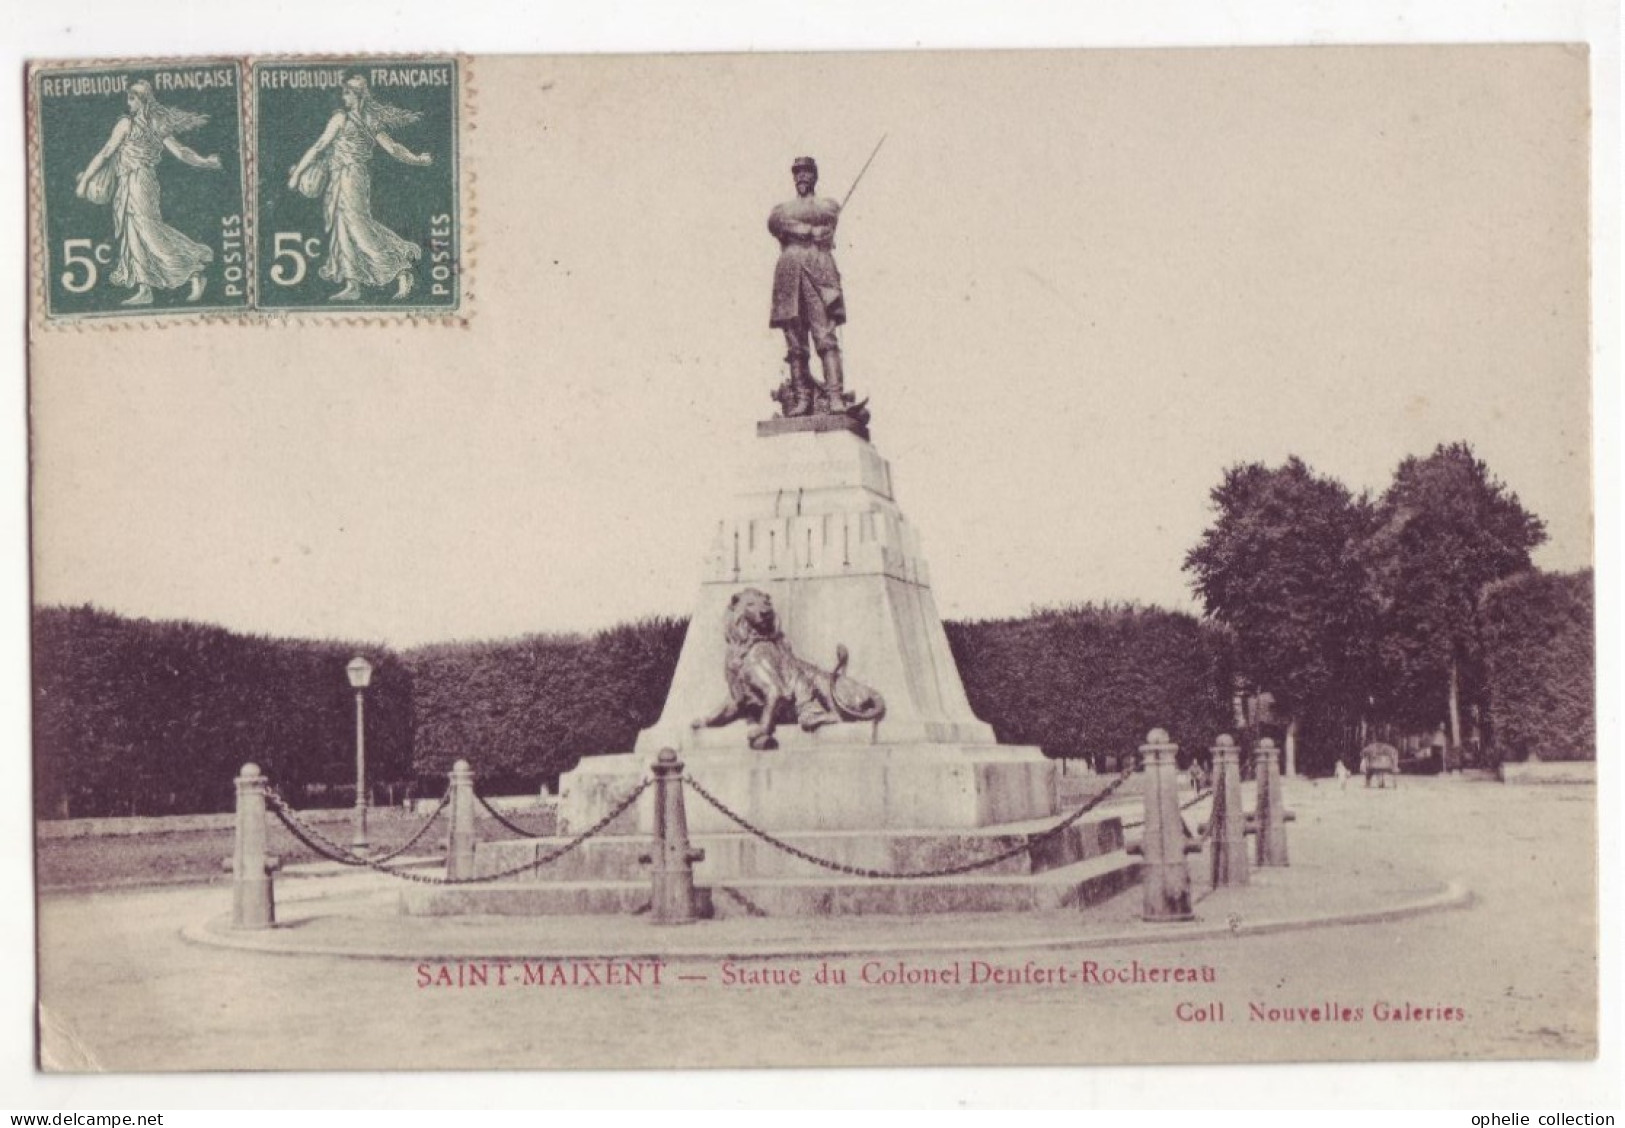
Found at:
<point>1453,895</point>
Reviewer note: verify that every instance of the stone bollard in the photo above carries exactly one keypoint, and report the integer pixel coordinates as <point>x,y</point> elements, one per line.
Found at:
<point>1228,823</point>
<point>1167,879</point>
<point>671,894</point>
<point>1271,808</point>
<point>463,834</point>
<point>253,905</point>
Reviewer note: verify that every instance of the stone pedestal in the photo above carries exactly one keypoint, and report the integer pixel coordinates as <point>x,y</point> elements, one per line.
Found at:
<point>924,790</point>
<point>816,526</point>
<point>820,781</point>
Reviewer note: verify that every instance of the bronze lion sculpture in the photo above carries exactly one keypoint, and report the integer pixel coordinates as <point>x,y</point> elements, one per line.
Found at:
<point>768,685</point>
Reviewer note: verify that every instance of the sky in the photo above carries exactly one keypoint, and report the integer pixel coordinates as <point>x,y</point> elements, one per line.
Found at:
<point>1066,459</point>
<point>1080,285</point>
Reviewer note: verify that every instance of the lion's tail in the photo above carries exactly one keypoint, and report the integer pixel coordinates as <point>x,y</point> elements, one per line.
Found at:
<point>853,700</point>
<point>857,702</point>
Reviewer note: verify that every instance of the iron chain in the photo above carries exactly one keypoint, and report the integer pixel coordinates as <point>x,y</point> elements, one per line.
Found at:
<point>495,814</point>
<point>335,852</point>
<point>949,871</point>
<point>554,855</point>
<point>1206,833</point>
<point>321,844</point>
<point>434,815</point>
<point>1199,796</point>
<point>284,815</point>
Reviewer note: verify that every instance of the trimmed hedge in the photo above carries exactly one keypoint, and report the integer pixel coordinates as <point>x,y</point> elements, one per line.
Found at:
<point>525,710</point>
<point>135,717</point>
<point>1539,647</point>
<point>1082,681</point>
<point>139,717</point>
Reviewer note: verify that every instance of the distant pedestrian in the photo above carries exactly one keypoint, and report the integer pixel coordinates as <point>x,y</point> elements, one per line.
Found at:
<point>1438,748</point>
<point>1342,774</point>
<point>1379,760</point>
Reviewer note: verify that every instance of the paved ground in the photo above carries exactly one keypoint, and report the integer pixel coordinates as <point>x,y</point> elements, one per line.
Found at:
<point>1511,975</point>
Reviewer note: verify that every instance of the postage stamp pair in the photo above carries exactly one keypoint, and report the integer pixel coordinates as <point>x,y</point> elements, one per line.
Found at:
<point>247,187</point>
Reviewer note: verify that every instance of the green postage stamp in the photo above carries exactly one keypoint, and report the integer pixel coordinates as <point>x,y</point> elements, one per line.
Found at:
<point>247,188</point>
<point>356,185</point>
<point>140,184</point>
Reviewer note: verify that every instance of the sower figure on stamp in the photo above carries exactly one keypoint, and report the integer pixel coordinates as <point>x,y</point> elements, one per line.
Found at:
<point>361,250</point>
<point>807,300</point>
<point>151,254</point>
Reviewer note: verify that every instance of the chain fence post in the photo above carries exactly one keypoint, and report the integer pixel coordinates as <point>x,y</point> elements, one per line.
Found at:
<point>462,836</point>
<point>1228,822</point>
<point>1272,816</point>
<point>671,893</point>
<point>252,900</point>
<point>1167,879</point>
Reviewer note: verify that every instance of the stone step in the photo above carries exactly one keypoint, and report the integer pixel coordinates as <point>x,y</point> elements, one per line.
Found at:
<point>1072,790</point>
<point>1074,886</point>
<point>745,856</point>
<point>529,898</point>
<point>1077,885</point>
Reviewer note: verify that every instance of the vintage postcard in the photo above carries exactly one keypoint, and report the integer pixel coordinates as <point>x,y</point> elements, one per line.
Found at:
<point>921,559</point>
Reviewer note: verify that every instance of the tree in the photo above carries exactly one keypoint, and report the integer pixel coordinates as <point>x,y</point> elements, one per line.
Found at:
<point>1282,567</point>
<point>1447,529</point>
<point>1540,648</point>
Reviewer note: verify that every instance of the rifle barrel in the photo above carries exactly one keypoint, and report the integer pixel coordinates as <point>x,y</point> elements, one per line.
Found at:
<point>859,178</point>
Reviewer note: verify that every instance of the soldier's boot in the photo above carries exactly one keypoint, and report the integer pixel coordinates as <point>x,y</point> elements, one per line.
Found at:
<point>802,389</point>
<point>834,381</point>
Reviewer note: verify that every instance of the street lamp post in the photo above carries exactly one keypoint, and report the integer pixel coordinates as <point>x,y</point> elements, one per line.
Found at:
<point>360,674</point>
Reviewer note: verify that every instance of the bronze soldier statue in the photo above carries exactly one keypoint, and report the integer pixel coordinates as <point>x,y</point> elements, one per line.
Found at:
<point>807,299</point>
